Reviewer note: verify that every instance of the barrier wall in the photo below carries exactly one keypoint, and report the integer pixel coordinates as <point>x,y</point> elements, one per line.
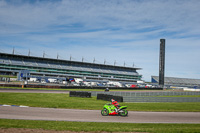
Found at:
<point>161,99</point>
<point>137,94</point>
<point>30,86</point>
<point>109,97</point>
<point>79,94</point>
<point>152,96</point>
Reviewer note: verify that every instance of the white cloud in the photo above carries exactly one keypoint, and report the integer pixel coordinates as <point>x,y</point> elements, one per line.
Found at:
<point>99,14</point>
<point>123,30</point>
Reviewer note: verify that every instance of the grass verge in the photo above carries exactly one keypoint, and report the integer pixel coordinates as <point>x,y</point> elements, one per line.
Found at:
<point>8,76</point>
<point>49,100</point>
<point>100,127</point>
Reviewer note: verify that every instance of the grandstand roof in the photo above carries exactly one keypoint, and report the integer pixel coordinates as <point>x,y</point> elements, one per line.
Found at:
<point>178,81</point>
<point>67,61</point>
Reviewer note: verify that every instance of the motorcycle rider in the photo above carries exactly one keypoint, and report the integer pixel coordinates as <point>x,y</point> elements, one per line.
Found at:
<point>116,104</point>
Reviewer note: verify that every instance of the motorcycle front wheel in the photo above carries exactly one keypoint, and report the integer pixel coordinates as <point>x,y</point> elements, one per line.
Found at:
<point>104,112</point>
<point>123,112</point>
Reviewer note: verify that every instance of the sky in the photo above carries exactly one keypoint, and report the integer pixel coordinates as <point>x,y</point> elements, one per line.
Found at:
<point>125,32</point>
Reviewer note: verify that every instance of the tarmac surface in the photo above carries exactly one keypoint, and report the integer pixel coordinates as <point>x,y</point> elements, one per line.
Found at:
<point>53,114</point>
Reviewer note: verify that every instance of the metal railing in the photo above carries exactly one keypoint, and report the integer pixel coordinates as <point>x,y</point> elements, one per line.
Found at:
<point>153,96</point>
<point>137,94</point>
<point>161,99</point>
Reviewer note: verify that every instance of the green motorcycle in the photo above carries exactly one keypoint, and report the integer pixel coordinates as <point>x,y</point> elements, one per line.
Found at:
<point>110,109</point>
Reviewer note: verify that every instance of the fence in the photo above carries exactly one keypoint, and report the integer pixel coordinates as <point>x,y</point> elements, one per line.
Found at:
<point>161,99</point>
<point>137,94</point>
<point>153,96</point>
<point>109,97</point>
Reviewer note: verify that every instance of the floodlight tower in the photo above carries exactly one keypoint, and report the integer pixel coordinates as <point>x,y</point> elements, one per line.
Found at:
<point>162,63</point>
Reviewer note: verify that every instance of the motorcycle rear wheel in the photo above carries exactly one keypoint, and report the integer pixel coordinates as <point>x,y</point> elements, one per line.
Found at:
<point>104,112</point>
<point>123,112</point>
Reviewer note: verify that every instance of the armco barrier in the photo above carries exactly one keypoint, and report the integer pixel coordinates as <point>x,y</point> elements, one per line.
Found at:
<point>149,96</point>
<point>142,94</point>
<point>161,99</point>
<point>79,94</point>
<point>109,97</point>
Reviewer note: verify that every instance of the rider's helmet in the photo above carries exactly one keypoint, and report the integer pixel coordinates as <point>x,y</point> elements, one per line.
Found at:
<point>112,100</point>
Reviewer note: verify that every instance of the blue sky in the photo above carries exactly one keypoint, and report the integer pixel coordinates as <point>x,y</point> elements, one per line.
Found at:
<point>113,30</point>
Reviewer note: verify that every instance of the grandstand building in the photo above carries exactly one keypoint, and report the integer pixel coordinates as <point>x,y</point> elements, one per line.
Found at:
<point>12,64</point>
<point>177,81</point>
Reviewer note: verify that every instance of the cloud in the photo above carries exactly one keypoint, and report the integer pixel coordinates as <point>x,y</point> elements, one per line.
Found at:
<point>100,14</point>
<point>127,30</point>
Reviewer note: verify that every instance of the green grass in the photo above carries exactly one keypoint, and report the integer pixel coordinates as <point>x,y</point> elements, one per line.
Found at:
<point>49,100</point>
<point>8,76</point>
<point>99,127</point>
<point>64,101</point>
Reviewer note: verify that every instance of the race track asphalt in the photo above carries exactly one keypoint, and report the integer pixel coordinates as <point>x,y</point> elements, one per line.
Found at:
<point>34,113</point>
<point>53,114</point>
